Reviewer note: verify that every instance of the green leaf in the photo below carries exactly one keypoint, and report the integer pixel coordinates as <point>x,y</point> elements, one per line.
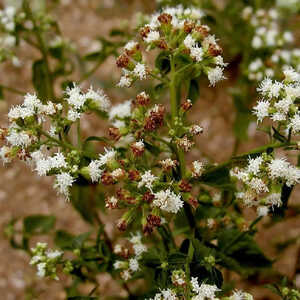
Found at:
<point>38,224</point>
<point>96,139</point>
<point>176,258</point>
<point>193,93</point>
<point>162,62</point>
<point>218,177</point>
<point>39,79</point>
<point>244,250</point>
<point>64,240</point>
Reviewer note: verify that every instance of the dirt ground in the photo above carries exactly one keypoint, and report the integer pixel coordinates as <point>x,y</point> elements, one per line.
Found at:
<point>23,193</point>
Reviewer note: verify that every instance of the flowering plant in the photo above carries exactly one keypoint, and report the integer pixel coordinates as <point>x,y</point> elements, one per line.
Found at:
<point>181,219</point>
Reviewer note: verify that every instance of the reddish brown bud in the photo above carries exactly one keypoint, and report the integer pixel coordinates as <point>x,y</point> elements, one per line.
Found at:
<point>155,119</point>
<point>145,31</point>
<point>185,186</point>
<point>193,201</point>
<point>122,225</point>
<point>186,105</point>
<point>188,26</point>
<point>114,133</point>
<point>165,18</point>
<point>214,50</point>
<point>148,197</point>
<point>134,175</point>
<point>162,44</point>
<point>107,178</point>
<point>147,229</point>
<point>23,155</point>
<point>154,220</point>
<point>203,29</point>
<point>122,61</point>
<point>137,148</point>
<point>142,99</point>
<point>3,133</point>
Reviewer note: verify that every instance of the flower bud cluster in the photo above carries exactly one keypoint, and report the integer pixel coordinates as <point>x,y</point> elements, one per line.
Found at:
<point>262,180</point>
<point>280,101</point>
<point>128,262</point>
<point>46,261</point>
<point>178,31</point>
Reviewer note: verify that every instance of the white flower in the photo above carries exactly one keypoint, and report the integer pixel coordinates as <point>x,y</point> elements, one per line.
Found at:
<point>152,36</point>
<point>197,53</point>
<point>292,176</point>
<point>21,139</point>
<point>140,71</point>
<point>125,81</point>
<point>265,86</point>
<point>168,295</point>
<point>133,264</point>
<point>75,97</point>
<point>147,180</point>
<point>73,115</point>
<point>255,65</point>
<point>220,61</point>
<point>254,165</point>
<point>288,37</point>
<point>99,98</point>
<point>54,254</point>
<point>107,157</point>
<point>275,89</point>
<point>63,182</point>
<point>118,264</point>
<point>130,45</point>
<point>278,168</point>
<point>274,199</point>
<point>136,238</point>
<point>139,249</point>
<point>4,151</point>
<point>295,123</point>
<point>258,185</point>
<point>94,170</point>
<point>261,110</point>
<point>168,201</point>
<point>257,42</point>
<point>121,110</point>
<point>43,166</point>
<point>198,168</point>
<point>215,75</point>
<point>126,275</point>
<point>283,105</point>
<point>41,269</point>
<point>58,161</point>
<point>262,211</point>
<point>189,42</point>
<point>240,295</point>
<point>291,75</point>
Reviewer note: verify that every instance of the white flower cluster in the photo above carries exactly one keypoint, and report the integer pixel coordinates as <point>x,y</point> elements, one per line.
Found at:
<point>45,260</point>
<point>280,101</point>
<point>198,292</point>
<point>131,265</point>
<point>258,68</point>
<point>262,180</point>
<point>290,4</point>
<point>78,101</point>
<point>193,38</point>
<point>267,33</point>
<point>27,138</point>
<point>147,180</point>
<point>168,201</point>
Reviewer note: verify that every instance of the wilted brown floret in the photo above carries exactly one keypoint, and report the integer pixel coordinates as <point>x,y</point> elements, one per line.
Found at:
<point>193,201</point>
<point>165,18</point>
<point>107,179</point>
<point>148,197</point>
<point>185,186</point>
<point>23,155</point>
<point>114,133</point>
<point>145,31</point>
<point>137,149</point>
<point>134,175</point>
<point>186,105</point>
<point>188,26</point>
<point>155,119</point>
<point>3,133</point>
<point>154,220</point>
<point>185,143</point>
<point>162,44</point>
<point>214,50</point>
<point>122,225</point>
<point>142,99</point>
<point>122,61</point>
<point>204,30</point>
